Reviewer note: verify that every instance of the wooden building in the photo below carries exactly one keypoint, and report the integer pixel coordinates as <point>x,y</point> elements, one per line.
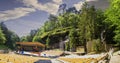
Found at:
<point>30,46</point>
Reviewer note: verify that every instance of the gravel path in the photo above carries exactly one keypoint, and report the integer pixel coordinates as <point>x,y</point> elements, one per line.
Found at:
<point>115,59</point>
<point>55,61</point>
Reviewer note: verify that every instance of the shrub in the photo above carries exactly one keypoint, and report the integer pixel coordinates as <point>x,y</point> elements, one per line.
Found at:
<point>97,45</point>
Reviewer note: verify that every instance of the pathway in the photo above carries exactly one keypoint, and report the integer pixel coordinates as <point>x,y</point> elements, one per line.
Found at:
<point>115,59</point>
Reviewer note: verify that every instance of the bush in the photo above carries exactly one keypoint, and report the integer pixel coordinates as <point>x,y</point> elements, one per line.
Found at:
<point>2,47</point>
<point>97,45</point>
<point>67,47</point>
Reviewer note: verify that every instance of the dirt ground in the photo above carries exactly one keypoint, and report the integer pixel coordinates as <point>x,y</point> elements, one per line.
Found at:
<point>115,59</point>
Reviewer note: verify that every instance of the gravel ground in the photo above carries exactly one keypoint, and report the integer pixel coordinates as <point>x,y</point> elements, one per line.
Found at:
<point>85,56</point>
<point>115,59</point>
<point>55,61</point>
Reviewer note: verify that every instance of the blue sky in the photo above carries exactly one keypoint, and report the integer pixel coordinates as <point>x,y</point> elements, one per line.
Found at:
<point>21,16</point>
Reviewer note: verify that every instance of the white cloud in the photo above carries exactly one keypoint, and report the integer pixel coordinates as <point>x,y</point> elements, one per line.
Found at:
<point>57,1</point>
<point>78,6</point>
<point>50,7</point>
<point>15,13</point>
<point>31,6</point>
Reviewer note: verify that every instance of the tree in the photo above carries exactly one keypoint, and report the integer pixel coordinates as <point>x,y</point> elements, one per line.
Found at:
<point>30,37</point>
<point>47,42</point>
<point>72,10</point>
<point>73,37</point>
<point>13,38</point>
<point>102,29</point>
<point>10,36</point>
<point>113,18</point>
<point>68,20</point>
<point>23,39</point>
<point>87,24</point>
<point>2,37</point>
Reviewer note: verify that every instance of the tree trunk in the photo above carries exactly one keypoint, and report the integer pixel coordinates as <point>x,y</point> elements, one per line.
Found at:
<point>85,47</point>
<point>103,39</point>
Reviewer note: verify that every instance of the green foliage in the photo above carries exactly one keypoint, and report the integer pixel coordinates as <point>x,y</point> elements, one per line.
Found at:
<point>49,25</point>
<point>81,27</point>
<point>97,45</point>
<point>2,37</point>
<point>57,33</point>
<point>68,20</point>
<point>100,24</point>
<point>30,37</point>
<point>10,36</point>
<point>88,22</point>
<point>73,37</point>
<point>67,46</point>
<point>113,18</point>
<point>36,39</point>
<point>23,39</point>
<point>2,47</point>
<point>27,38</point>
<point>47,42</point>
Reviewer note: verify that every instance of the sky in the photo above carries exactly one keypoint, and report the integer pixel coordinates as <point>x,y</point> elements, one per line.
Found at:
<point>21,16</point>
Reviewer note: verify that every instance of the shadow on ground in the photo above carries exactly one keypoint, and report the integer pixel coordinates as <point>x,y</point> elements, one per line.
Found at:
<point>43,61</point>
